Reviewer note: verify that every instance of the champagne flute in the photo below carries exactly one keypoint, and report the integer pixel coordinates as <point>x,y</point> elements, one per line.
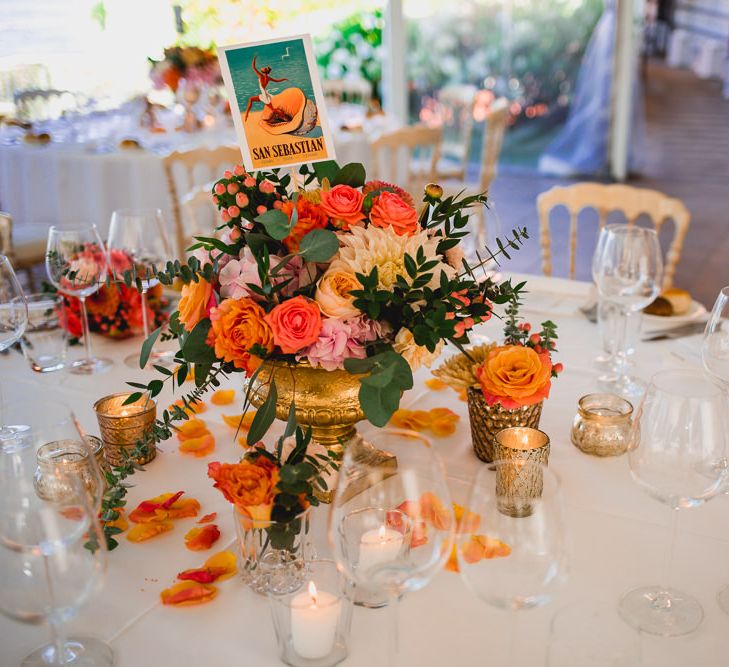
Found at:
<point>140,234</point>
<point>76,265</point>
<point>52,555</point>
<point>628,272</point>
<point>511,545</point>
<point>13,318</point>
<point>677,454</point>
<point>391,522</point>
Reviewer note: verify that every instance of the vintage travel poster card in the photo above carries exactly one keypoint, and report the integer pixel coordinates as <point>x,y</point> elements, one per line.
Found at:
<point>277,102</point>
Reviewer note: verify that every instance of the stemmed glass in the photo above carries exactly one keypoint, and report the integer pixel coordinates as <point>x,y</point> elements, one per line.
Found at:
<point>52,554</point>
<point>391,522</point>
<point>140,233</point>
<point>715,355</point>
<point>677,454</point>
<point>512,550</point>
<point>76,265</point>
<point>628,272</point>
<point>13,317</point>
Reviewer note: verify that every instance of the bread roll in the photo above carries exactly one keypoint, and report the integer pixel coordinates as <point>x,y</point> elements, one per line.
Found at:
<point>673,301</point>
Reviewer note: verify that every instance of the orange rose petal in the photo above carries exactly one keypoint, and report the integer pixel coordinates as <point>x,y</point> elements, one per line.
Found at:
<point>200,539</point>
<point>444,413</point>
<point>435,384</point>
<point>223,397</point>
<point>188,593</point>
<point>435,511</point>
<point>463,395</point>
<point>472,550</point>
<point>493,548</point>
<point>120,522</point>
<point>442,428</point>
<point>452,563</point>
<point>242,421</point>
<point>192,428</point>
<point>466,521</point>
<point>208,517</point>
<point>198,446</point>
<point>146,531</point>
<point>184,508</point>
<point>195,408</point>
<point>218,567</point>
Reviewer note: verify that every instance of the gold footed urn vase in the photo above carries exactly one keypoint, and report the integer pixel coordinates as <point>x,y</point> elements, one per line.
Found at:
<point>328,401</point>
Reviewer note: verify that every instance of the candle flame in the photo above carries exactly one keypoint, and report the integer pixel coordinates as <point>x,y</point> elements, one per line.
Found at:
<point>381,534</point>
<point>312,592</point>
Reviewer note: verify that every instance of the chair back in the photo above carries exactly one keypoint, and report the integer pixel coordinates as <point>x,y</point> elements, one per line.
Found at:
<point>632,202</point>
<point>493,138</point>
<point>200,215</point>
<point>6,235</point>
<point>354,90</point>
<point>186,170</point>
<point>407,157</point>
<point>456,108</point>
<point>44,103</point>
<point>22,77</point>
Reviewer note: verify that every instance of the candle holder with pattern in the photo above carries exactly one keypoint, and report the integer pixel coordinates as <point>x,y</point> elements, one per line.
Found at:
<point>312,623</point>
<point>602,425</point>
<point>123,426</point>
<point>73,458</point>
<point>520,453</point>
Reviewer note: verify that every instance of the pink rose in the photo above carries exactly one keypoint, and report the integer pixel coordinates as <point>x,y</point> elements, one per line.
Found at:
<point>295,324</point>
<point>344,205</point>
<point>389,210</point>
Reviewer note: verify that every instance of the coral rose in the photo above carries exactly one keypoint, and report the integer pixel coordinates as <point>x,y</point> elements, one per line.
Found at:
<point>295,323</point>
<point>237,326</point>
<point>250,486</point>
<point>344,204</point>
<point>390,210</point>
<point>310,216</point>
<point>333,294</point>
<point>515,376</point>
<point>195,304</point>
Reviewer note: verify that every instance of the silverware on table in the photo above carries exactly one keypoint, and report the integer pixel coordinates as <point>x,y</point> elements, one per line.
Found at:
<point>688,329</point>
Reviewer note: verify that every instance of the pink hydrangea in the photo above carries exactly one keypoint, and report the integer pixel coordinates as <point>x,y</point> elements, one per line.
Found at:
<point>300,272</point>
<point>340,340</point>
<point>237,274</point>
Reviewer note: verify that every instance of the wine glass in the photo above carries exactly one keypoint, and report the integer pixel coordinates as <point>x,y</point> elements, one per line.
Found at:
<point>44,341</point>
<point>52,555</point>
<point>677,454</point>
<point>13,317</point>
<point>628,272</point>
<point>77,266</point>
<point>512,547</point>
<point>391,522</point>
<point>140,235</point>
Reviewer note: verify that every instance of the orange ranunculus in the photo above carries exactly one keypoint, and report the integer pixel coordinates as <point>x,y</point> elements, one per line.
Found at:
<point>515,376</point>
<point>223,397</point>
<point>237,326</point>
<point>295,324</point>
<point>250,486</point>
<point>390,210</point>
<point>309,216</point>
<point>195,303</point>
<point>188,592</point>
<point>344,204</point>
<point>201,539</point>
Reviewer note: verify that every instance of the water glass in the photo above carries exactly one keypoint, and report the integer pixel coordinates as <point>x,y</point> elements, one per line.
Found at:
<point>44,341</point>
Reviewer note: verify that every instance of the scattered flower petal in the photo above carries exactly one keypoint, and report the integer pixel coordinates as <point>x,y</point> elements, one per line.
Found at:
<point>200,539</point>
<point>199,447</point>
<point>435,384</point>
<point>440,421</point>
<point>218,567</point>
<point>223,397</point>
<point>244,421</point>
<point>165,506</point>
<point>192,428</point>
<point>466,521</point>
<point>208,517</point>
<point>146,531</point>
<point>188,593</point>
<point>120,522</point>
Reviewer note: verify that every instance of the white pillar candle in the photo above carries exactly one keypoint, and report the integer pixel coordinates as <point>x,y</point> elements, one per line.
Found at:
<point>314,620</point>
<point>381,545</point>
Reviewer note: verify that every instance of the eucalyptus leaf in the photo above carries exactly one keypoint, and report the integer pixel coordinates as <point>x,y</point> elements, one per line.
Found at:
<point>276,223</point>
<point>327,169</point>
<point>195,349</point>
<point>319,245</point>
<point>352,174</point>
<point>147,347</point>
<point>379,404</point>
<point>264,417</point>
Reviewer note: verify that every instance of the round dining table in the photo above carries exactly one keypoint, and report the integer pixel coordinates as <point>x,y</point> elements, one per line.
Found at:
<point>616,534</point>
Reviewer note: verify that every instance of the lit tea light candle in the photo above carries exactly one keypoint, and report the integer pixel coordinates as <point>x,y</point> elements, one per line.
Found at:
<point>377,546</point>
<point>314,620</point>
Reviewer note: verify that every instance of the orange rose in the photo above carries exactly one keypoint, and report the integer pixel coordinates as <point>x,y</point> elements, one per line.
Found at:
<point>390,210</point>
<point>515,376</point>
<point>250,486</point>
<point>195,303</point>
<point>295,323</point>
<point>238,325</point>
<point>344,204</point>
<point>310,216</point>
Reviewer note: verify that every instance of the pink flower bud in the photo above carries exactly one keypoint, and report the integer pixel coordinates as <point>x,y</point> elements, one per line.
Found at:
<point>261,210</point>
<point>228,173</point>
<point>278,205</point>
<point>219,189</point>
<point>526,326</point>
<point>250,182</point>
<point>239,171</point>
<point>266,187</point>
<point>216,199</point>
<point>232,188</point>
<point>460,328</point>
<point>558,368</point>
<point>535,339</point>
<point>233,211</point>
<point>469,322</point>
<point>242,199</point>
<point>224,216</point>
<point>234,234</point>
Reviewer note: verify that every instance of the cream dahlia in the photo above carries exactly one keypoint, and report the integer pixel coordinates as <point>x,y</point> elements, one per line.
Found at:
<point>415,355</point>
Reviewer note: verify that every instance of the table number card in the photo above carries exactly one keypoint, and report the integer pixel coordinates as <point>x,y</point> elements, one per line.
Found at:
<point>277,102</point>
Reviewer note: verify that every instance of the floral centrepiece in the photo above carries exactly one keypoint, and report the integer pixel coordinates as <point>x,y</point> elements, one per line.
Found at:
<point>189,63</point>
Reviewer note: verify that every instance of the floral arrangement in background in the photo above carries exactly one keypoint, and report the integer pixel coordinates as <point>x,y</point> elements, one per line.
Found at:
<point>335,272</point>
<point>189,63</point>
<point>115,309</point>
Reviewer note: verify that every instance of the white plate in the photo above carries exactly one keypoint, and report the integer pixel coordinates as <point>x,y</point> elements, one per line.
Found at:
<point>658,322</point>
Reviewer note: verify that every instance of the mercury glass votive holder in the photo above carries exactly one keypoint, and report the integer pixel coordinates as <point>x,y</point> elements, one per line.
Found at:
<point>72,457</point>
<point>123,426</point>
<point>312,623</point>
<point>521,452</point>
<point>602,425</point>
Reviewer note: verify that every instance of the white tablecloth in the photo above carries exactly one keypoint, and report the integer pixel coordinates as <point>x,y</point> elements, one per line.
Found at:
<point>71,183</point>
<point>618,536</point>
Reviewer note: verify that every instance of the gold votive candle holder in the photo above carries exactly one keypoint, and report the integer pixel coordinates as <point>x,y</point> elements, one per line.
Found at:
<point>72,458</point>
<point>123,426</point>
<point>602,425</point>
<point>519,453</point>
